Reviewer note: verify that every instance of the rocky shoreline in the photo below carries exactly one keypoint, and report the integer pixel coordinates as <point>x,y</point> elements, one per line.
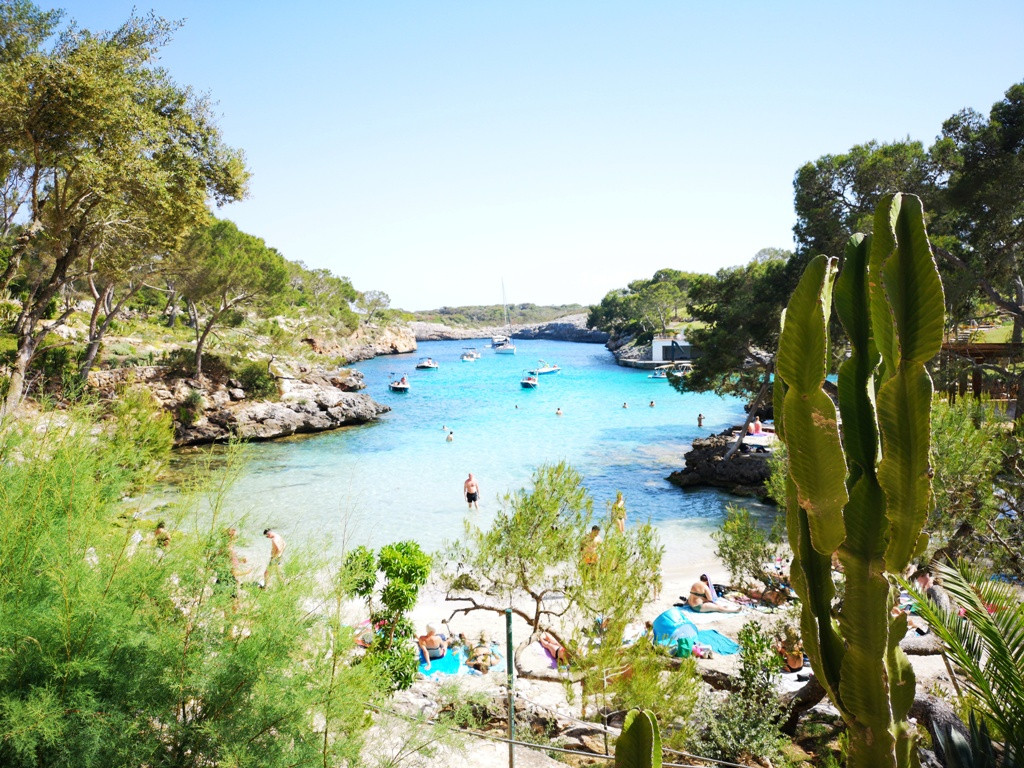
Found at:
<point>745,474</point>
<point>311,400</point>
<point>569,328</point>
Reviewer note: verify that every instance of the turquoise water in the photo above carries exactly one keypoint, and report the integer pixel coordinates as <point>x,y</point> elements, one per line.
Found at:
<point>398,478</point>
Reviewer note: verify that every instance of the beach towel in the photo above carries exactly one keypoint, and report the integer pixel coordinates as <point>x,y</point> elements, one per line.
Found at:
<point>717,642</point>
<point>449,664</point>
<point>536,656</point>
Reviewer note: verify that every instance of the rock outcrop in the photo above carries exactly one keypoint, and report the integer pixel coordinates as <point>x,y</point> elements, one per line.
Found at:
<point>311,400</point>
<point>568,328</point>
<point>744,474</point>
<point>367,342</point>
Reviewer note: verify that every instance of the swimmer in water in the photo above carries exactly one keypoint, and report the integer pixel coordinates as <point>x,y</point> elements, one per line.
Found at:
<point>558,412</point>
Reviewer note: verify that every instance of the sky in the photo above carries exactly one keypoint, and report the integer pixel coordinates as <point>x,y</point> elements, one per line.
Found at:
<point>434,150</point>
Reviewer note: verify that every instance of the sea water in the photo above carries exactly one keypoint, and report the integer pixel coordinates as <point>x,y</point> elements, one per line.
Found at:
<point>399,478</point>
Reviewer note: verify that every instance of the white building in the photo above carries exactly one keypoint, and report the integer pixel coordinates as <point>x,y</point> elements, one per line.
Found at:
<point>667,348</point>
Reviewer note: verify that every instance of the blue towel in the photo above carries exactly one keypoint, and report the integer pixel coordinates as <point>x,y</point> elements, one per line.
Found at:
<point>717,642</point>
<point>446,665</point>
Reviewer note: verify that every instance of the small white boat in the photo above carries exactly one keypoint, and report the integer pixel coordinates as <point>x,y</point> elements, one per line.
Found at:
<point>543,367</point>
<point>469,355</point>
<point>399,385</point>
<point>529,381</point>
<point>661,374</point>
<point>497,341</point>
<point>426,364</point>
<point>508,348</point>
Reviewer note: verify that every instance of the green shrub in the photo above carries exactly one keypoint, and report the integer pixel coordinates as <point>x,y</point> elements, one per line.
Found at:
<point>116,652</point>
<point>190,408</point>
<point>744,547</point>
<point>256,380</point>
<point>746,725</point>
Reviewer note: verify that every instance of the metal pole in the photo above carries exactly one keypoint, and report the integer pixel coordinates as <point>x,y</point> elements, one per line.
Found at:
<point>511,689</point>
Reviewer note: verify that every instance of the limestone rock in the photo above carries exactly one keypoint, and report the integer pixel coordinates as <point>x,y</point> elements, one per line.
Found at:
<point>744,473</point>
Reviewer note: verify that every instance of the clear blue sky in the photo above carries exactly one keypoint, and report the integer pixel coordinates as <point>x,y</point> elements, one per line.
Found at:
<point>430,149</point>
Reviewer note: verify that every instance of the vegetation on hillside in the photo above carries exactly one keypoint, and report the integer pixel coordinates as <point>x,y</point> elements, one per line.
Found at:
<point>491,315</point>
<point>108,170</point>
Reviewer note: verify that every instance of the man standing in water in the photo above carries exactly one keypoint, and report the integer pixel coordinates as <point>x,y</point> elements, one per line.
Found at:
<point>276,551</point>
<point>700,420</point>
<point>472,491</point>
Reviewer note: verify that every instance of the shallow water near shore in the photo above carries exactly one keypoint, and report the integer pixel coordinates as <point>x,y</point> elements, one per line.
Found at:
<point>398,478</point>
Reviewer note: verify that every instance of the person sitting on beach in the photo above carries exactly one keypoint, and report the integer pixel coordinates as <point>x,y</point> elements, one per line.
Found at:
<point>791,650</point>
<point>555,648</point>
<point>756,428</point>
<point>702,598</point>
<point>482,658</point>
<point>432,645</point>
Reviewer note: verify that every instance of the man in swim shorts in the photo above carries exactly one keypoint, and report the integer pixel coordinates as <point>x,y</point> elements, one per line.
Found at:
<point>472,491</point>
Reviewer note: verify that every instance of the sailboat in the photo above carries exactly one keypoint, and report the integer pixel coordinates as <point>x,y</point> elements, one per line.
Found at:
<point>503,345</point>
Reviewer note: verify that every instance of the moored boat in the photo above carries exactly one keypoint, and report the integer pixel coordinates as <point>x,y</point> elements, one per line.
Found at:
<point>543,367</point>
<point>528,381</point>
<point>426,364</point>
<point>469,354</point>
<point>399,385</point>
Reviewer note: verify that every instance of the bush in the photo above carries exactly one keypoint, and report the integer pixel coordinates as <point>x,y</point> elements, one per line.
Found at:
<point>745,547</point>
<point>256,380</point>
<point>191,406</point>
<point>114,651</point>
<point>747,724</point>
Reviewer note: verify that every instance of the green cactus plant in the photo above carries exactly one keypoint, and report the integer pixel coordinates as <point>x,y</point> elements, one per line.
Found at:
<point>864,493</point>
<point>639,746</point>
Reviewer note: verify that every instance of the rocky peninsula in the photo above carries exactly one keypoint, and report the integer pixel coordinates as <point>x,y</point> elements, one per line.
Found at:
<point>745,474</point>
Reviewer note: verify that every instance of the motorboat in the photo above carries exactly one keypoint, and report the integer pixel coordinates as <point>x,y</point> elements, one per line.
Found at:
<point>497,341</point>
<point>399,385</point>
<point>543,367</point>
<point>529,381</point>
<point>427,364</point>
<point>508,348</point>
<point>469,354</point>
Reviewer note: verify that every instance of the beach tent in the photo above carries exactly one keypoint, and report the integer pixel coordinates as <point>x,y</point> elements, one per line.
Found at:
<point>672,626</point>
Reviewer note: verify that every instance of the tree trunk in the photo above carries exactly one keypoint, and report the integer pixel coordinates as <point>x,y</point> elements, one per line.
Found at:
<point>98,331</point>
<point>171,310</point>
<point>201,342</point>
<point>1018,320</point>
<point>16,388</point>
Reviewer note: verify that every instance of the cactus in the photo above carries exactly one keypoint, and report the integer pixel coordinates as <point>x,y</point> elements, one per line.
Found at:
<point>865,493</point>
<point>639,746</point>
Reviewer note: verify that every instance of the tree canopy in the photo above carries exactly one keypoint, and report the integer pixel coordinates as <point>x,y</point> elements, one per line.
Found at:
<point>100,149</point>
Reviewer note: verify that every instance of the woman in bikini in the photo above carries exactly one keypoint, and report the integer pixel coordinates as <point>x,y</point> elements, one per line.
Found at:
<point>702,598</point>
<point>482,657</point>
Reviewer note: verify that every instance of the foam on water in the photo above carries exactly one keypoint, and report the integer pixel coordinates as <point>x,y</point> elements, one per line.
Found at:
<point>398,478</point>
